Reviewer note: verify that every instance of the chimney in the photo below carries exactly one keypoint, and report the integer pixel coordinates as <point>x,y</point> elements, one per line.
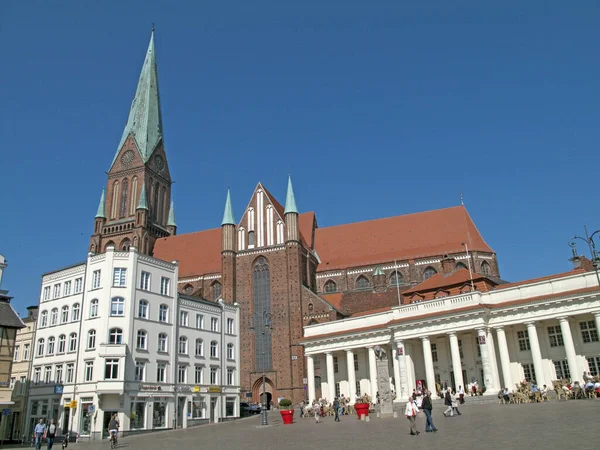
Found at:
<point>448,265</point>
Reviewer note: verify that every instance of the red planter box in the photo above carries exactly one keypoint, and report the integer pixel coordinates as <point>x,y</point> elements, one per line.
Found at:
<point>362,409</point>
<point>287,416</point>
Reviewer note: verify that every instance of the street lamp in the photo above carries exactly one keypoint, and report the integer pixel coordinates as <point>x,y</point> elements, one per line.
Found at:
<point>267,322</point>
<point>589,240</point>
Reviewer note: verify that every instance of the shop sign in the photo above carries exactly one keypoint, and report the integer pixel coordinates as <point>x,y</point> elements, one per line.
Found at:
<point>214,389</point>
<point>58,389</point>
<point>6,412</point>
<point>150,387</point>
<point>183,388</point>
<point>73,404</point>
<point>196,388</point>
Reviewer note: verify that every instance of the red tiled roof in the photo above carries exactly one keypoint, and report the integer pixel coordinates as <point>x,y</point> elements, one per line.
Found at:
<point>198,253</point>
<point>440,280</point>
<point>404,237</point>
<point>305,225</point>
<point>334,300</point>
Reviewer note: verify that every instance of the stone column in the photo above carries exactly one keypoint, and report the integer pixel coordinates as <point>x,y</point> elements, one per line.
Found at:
<point>351,376</point>
<point>397,383</point>
<point>493,360</point>
<point>373,373</point>
<point>429,374</point>
<point>569,348</point>
<point>310,373</point>
<point>597,316</point>
<point>456,365</point>
<point>536,353</point>
<point>504,359</point>
<point>488,376</point>
<point>330,377</point>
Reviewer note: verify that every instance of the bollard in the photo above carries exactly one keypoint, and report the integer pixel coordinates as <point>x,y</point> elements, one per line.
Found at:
<point>395,414</point>
<point>363,417</point>
<point>378,416</point>
<point>367,419</point>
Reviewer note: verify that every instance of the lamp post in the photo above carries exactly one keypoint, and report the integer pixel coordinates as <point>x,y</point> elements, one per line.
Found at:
<point>589,240</point>
<point>265,317</point>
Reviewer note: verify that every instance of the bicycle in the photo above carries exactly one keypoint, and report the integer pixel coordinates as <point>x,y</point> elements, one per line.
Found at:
<point>113,440</point>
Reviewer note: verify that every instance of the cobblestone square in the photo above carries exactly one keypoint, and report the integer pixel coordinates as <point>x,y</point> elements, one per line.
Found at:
<point>554,425</point>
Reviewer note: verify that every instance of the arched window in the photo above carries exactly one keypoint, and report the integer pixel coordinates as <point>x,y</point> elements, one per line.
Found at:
<point>50,349</point>
<point>125,245</point>
<point>183,345</point>
<point>115,336</point>
<point>165,204</point>
<point>64,317</point>
<point>163,313</point>
<point>162,342</point>
<point>261,277</point>
<point>216,290</point>
<point>188,289</point>
<point>213,349</point>
<point>117,306</point>
<point>230,355</point>
<point>251,239</point>
<point>91,340</point>
<point>133,202</point>
<point>44,319</point>
<point>124,192</point>
<point>73,342</point>
<point>94,308</point>
<point>40,347</point>
<point>330,286</point>
<point>75,312</point>
<point>62,340</point>
<point>311,307</point>
<point>143,309</point>
<point>485,268</point>
<point>429,272</point>
<point>115,200</point>
<point>460,266</point>
<point>109,244</point>
<point>396,279</point>
<point>362,282</point>
<point>54,316</point>
<point>157,203</point>
<point>142,340</point>
<point>199,347</point>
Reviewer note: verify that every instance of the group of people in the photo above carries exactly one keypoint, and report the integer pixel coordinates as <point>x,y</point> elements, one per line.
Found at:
<point>451,400</point>
<point>41,432</point>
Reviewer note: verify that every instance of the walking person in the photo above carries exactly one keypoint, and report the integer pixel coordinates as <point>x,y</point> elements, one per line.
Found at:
<point>50,433</point>
<point>336,408</point>
<point>455,400</point>
<point>461,394</point>
<point>427,406</point>
<point>316,411</point>
<point>411,414</point>
<point>448,402</point>
<point>38,433</point>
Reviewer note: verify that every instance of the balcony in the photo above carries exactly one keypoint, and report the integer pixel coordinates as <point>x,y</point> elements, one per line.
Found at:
<point>112,350</point>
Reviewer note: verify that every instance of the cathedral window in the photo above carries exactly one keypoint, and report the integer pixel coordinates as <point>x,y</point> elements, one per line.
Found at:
<point>188,289</point>
<point>460,266</point>
<point>330,286</point>
<point>280,237</point>
<point>216,290</point>
<point>115,200</point>
<point>124,192</point>
<point>125,245</point>
<point>270,225</point>
<point>157,210</point>
<point>164,201</point>
<point>396,279</point>
<point>241,239</point>
<point>429,272</point>
<point>485,268</point>
<point>251,239</point>
<point>363,282</point>
<point>133,202</point>
<point>262,304</point>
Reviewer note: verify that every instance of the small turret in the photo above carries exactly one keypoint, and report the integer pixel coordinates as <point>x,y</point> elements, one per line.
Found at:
<point>379,279</point>
<point>141,212</point>
<point>291,213</point>
<point>100,214</point>
<point>171,225</point>
<point>228,253</point>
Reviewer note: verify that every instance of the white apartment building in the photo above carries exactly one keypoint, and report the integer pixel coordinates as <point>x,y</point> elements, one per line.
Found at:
<point>113,336</point>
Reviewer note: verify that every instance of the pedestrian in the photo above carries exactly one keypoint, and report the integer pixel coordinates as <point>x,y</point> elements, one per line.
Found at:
<point>461,394</point>
<point>410,413</point>
<point>50,433</point>
<point>38,433</point>
<point>448,402</point>
<point>336,408</point>
<point>427,406</point>
<point>316,411</point>
<point>455,400</point>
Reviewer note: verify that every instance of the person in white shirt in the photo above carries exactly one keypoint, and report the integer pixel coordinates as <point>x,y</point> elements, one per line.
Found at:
<point>411,414</point>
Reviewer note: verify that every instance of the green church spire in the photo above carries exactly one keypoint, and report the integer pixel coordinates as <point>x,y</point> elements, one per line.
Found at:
<point>290,200</point>
<point>143,203</point>
<point>145,121</point>
<point>228,213</point>
<point>171,219</point>
<point>101,212</point>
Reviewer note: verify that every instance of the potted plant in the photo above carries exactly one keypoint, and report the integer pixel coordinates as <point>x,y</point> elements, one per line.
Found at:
<point>362,406</point>
<point>286,411</point>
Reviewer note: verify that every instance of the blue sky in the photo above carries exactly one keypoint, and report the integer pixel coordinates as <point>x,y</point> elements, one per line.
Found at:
<point>375,108</point>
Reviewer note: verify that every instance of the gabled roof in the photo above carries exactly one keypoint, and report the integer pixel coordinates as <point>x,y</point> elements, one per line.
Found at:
<point>410,236</point>
<point>198,253</point>
<point>8,316</point>
<point>145,120</point>
<point>439,281</point>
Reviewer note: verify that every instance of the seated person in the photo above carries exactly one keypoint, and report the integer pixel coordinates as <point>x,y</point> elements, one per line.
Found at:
<point>534,388</point>
<point>506,395</point>
<point>589,385</point>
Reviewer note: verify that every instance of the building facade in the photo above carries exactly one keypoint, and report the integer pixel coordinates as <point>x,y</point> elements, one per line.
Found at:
<point>537,330</point>
<point>10,324</point>
<point>19,378</point>
<point>114,336</point>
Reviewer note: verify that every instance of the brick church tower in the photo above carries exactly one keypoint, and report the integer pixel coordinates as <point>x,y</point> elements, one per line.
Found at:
<point>135,208</point>
<point>264,269</point>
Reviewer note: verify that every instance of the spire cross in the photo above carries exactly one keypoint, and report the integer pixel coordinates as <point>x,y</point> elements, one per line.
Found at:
<point>461,199</point>
<point>153,27</point>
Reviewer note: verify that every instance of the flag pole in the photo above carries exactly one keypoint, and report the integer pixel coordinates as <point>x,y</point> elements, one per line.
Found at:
<point>397,284</point>
<point>469,263</point>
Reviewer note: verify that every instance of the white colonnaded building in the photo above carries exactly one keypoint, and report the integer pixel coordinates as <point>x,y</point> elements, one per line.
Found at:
<point>114,336</point>
<point>496,334</point>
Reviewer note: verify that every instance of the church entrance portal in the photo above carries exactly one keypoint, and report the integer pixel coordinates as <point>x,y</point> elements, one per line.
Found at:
<point>257,392</point>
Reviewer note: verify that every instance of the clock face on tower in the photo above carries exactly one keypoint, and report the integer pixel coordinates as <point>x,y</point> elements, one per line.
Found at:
<point>159,163</point>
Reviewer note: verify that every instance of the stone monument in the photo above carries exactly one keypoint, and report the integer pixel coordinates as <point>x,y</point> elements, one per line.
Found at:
<point>383,383</point>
